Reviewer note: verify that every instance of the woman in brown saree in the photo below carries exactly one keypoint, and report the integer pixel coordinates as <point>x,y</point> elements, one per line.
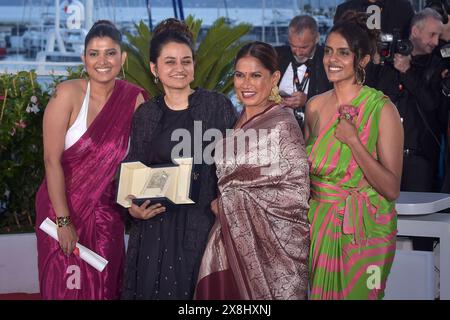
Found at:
<point>258,247</point>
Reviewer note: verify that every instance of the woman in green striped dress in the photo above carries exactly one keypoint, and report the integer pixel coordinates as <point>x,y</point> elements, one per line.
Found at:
<point>355,146</point>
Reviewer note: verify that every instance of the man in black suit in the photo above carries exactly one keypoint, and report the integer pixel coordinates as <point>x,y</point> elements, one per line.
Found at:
<point>395,14</point>
<point>301,65</point>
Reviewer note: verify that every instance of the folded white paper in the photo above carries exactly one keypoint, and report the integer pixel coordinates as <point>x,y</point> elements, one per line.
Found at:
<point>98,262</point>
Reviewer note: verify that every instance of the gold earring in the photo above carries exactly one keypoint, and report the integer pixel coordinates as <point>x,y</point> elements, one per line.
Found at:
<point>275,95</point>
<point>361,73</point>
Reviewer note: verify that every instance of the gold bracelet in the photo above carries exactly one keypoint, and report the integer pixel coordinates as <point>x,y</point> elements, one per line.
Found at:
<point>62,221</point>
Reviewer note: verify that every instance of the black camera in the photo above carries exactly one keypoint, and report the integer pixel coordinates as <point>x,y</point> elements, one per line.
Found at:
<point>445,53</point>
<point>390,44</point>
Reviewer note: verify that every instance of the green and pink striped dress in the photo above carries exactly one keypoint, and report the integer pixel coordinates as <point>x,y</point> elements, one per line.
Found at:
<point>353,229</point>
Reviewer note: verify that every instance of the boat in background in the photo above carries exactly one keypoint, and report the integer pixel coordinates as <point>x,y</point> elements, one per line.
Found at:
<point>2,47</point>
<point>54,46</point>
<point>70,50</point>
<point>65,44</point>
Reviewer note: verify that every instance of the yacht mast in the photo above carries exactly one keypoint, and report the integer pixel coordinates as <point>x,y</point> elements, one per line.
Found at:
<point>114,10</point>
<point>89,16</point>
<point>226,11</point>
<point>300,5</point>
<point>275,16</point>
<point>149,13</point>
<point>56,34</point>
<point>175,12</point>
<point>263,27</point>
<point>180,8</point>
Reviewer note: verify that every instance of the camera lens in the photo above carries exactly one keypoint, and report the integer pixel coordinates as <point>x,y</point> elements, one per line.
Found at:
<point>404,47</point>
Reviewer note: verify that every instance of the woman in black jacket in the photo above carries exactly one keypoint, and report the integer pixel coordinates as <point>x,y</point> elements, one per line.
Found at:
<point>166,244</point>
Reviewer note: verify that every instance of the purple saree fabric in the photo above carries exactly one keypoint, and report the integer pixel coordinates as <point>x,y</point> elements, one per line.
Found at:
<point>89,168</point>
<point>259,246</point>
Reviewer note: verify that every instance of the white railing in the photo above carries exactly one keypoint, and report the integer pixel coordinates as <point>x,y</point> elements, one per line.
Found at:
<point>41,68</point>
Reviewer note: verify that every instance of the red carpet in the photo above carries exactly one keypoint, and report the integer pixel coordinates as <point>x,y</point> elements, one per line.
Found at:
<point>20,296</point>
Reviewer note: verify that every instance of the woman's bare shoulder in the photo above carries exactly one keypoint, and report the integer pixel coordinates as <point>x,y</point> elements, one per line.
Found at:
<point>317,101</point>
<point>389,112</point>
<point>67,95</point>
<point>73,88</point>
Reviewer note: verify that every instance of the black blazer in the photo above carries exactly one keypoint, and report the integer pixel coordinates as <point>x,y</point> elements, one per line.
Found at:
<point>318,82</point>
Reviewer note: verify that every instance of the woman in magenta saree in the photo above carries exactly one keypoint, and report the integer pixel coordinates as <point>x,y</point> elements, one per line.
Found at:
<point>89,158</point>
<point>355,153</point>
<point>258,247</point>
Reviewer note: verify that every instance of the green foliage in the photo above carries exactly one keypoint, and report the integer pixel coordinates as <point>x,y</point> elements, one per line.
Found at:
<point>21,167</point>
<point>213,59</point>
<point>22,103</point>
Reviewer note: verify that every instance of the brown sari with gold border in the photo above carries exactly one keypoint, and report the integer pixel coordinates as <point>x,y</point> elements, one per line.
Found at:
<point>259,245</point>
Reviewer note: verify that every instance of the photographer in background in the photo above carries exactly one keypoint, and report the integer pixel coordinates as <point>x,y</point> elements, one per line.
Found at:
<point>393,25</point>
<point>413,83</point>
<point>301,65</point>
<point>442,51</point>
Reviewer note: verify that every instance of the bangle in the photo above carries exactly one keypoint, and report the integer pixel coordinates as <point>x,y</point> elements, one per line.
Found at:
<point>62,221</point>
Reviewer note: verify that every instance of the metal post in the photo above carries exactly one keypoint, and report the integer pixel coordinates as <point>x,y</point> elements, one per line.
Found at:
<point>226,11</point>
<point>180,8</point>
<point>149,13</point>
<point>263,28</point>
<point>114,11</point>
<point>175,12</point>
<point>275,23</point>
